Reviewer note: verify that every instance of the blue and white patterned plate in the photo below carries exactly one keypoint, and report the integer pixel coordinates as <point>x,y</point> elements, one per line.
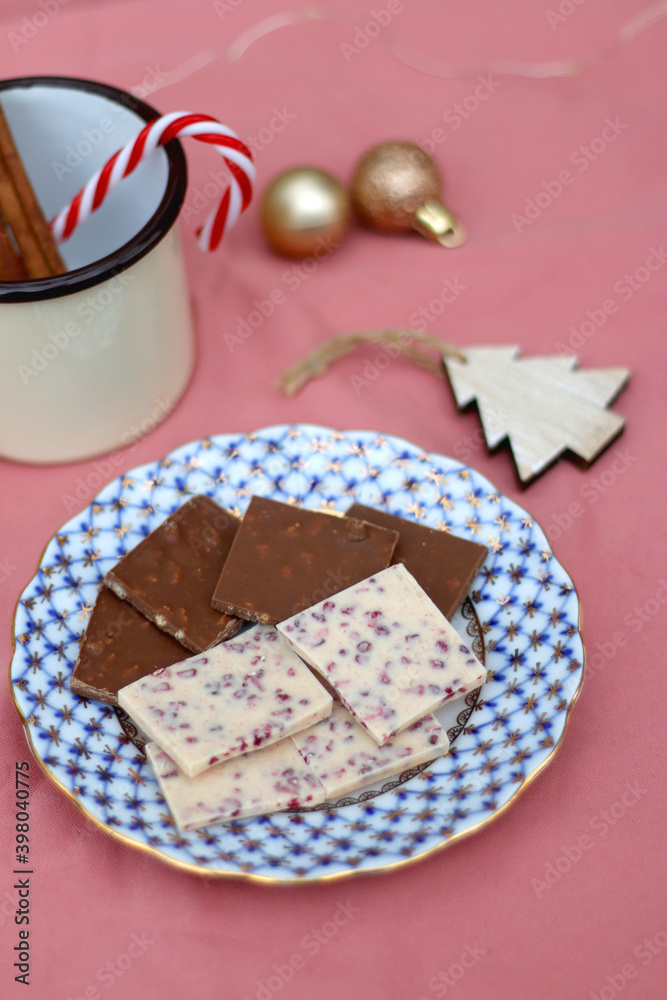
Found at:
<point>523,617</point>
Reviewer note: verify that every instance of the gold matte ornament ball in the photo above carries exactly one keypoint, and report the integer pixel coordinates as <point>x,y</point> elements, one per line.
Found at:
<point>303,210</point>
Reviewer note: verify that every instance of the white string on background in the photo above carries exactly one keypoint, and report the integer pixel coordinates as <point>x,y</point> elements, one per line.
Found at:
<point>638,23</point>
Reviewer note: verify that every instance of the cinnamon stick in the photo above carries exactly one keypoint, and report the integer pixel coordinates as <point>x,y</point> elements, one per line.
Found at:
<point>22,213</point>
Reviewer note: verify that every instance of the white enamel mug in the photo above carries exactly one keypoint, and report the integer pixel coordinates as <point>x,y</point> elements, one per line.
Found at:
<point>92,359</point>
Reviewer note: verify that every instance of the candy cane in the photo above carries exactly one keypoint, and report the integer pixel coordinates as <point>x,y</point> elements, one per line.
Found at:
<point>236,155</point>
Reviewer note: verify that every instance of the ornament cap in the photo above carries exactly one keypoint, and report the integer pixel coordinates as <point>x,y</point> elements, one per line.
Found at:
<point>437,223</point>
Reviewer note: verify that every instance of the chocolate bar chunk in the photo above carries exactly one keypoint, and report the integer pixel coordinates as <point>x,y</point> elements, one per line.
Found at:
<point>344,757</point>
<point>285,559</point>
<point>119,646</point>
<point>240,695</point>
<point>391,655</point>
<point>264,781</point>
<point>171,575</point>
<point>442,564</point>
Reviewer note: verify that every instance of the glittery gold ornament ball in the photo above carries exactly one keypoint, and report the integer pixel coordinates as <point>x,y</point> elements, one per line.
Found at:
<point>396,187</point>
<point>304,210</point>
<point>390,182</point>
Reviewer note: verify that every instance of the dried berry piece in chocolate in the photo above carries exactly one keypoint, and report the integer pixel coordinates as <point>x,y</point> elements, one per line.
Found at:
<point>442,564</point>
<point>119,646</point>
<point>285,559</point>
<point>171,574</point>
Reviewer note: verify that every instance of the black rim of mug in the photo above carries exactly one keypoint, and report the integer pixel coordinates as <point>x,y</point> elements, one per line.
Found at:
<point>139,245</point>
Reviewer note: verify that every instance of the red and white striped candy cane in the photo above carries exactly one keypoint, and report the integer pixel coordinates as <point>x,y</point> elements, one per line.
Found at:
<point>235,153</point>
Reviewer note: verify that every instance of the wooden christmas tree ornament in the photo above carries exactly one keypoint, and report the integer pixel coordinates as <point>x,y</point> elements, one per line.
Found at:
<point>542,405</point>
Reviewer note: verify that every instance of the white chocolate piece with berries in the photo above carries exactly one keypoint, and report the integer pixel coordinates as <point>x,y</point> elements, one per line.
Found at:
<point>344,757</point>
<point>390,654</point>
<point>264,781</point>
<point>241,695</point>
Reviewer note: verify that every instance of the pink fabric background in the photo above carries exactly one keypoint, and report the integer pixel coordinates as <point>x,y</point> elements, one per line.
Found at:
<point>219,938</point>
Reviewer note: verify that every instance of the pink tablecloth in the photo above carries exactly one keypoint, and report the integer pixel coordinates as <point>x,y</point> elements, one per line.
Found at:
<point>600,928</point>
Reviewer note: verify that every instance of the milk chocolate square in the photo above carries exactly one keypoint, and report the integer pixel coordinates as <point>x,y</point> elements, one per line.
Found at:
<point>119,646</point>
<point>170,576</point>
<point>285,559</point>
<point>442,564</point>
